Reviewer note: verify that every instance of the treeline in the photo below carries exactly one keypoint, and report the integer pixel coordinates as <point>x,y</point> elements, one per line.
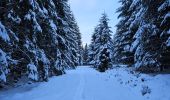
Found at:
<point>142,39</point>
<point>38,39</point>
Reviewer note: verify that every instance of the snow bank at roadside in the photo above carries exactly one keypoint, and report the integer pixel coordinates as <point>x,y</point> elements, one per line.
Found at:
<point>148,86</point>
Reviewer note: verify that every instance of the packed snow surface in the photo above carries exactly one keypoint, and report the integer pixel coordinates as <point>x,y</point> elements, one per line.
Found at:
<point>85,83</point>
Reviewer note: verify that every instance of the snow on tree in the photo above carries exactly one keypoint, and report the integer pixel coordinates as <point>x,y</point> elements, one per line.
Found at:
<point>4,70</point>
<point>145,55</point>
<point>103,45</point>
<point>168,42</point>
<point>43,65</point>
<point>3,33</point>
<point>32,72</point>
<point>90,59</point>
<point>122,39</point>
<point>164,18</point>
<point>138,34</point>
<point>69,32</point>
<point>42,36</point>
<point>92,48</point>
<point>150,42</point>
<point>85,54</point>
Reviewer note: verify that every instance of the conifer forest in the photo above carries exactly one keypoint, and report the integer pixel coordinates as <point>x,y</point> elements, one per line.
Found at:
<point>46,54</point>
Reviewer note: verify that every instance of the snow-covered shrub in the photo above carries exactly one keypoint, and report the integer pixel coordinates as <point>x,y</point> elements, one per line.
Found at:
<point>104,60</point>
<point>145,90</point>
<point>32,72</point>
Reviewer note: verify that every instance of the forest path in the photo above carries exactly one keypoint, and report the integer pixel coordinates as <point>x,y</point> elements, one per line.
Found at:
<point>86,83</point>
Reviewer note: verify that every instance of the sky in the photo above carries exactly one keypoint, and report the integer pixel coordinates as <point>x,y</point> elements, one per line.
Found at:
<point>88,13</point>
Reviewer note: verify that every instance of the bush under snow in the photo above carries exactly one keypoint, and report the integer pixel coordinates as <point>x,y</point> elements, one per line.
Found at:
<point>32,72</point>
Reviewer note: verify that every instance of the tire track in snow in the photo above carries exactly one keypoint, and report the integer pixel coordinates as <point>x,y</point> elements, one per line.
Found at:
<point>80,89</point>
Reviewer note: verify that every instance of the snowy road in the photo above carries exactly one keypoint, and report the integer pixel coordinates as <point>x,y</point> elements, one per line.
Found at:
<point>85,83</point>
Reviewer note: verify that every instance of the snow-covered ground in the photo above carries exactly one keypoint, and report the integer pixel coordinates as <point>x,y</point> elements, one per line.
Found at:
<point>85,83</point>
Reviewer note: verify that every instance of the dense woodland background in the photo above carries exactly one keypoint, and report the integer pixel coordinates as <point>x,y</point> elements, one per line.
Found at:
<point>40,39</point>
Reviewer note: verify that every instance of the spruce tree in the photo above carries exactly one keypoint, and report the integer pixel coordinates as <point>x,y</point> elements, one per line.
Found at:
<point>39,38</point>
<point>102,45</point>
<point>141,29</point>
<point>92,47</point>
<point>148,51</point>
<point>122,39</point>
<point>164,19</point>
<point>85,54</point>
<point>70,36</point>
